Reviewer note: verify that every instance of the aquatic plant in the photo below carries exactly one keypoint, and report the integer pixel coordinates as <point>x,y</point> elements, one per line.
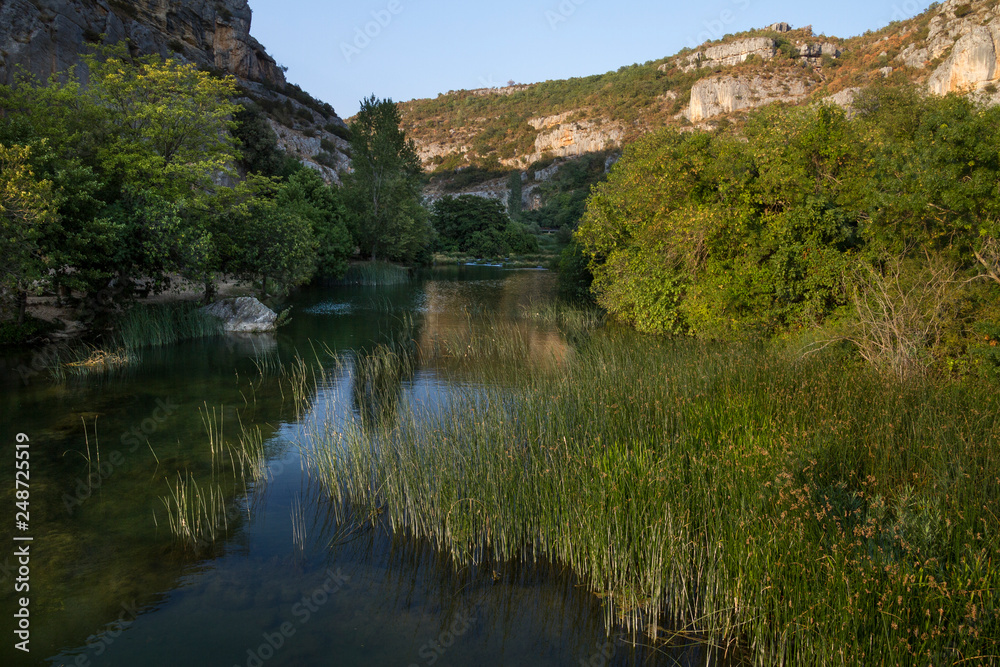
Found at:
<point>798,511</point>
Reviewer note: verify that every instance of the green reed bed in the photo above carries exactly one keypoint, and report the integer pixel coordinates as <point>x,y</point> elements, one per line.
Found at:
<point>139,327</point>
<point>796,512</point>
<point>163,324</point>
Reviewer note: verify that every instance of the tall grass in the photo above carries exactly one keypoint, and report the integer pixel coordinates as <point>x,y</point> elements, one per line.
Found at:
<point>137,328</point>
<point>196,506</point>
<point>375,273</point>
<point>163,324</point>
<point>798,512</point>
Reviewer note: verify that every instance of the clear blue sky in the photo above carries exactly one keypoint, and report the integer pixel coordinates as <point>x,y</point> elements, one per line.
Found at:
<point>341,52</point>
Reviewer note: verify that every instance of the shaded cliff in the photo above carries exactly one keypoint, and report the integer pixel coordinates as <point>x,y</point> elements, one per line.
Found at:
<point>45,37</point>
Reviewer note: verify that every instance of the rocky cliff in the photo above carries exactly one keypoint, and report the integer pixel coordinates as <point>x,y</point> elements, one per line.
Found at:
<point>972,33</point>
<point>45,37</point>
<point>559,137</point>
<point>724,94</point>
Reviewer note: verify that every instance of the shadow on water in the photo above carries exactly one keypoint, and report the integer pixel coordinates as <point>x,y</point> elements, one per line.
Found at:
<point>285,583</point>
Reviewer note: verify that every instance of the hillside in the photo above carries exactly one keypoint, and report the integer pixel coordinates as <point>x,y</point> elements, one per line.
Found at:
<point>44,37</point>
<point>951,47</point>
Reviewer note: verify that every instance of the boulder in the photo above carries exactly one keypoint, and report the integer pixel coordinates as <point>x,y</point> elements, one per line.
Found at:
<point>243,315</point>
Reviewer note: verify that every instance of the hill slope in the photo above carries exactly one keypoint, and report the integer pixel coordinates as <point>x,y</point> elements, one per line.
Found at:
<point>951,47</point>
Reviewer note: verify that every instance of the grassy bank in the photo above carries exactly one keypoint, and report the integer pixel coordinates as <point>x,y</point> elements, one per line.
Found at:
<point>139,327</point>
<point>800,512</point>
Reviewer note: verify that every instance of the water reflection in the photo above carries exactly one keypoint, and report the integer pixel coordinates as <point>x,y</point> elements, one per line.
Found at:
<point>112,587</point>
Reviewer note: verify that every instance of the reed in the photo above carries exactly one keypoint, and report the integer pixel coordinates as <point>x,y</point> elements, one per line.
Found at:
<point>163,324</point>
<point>139,327</point>
<point>196,514</point>
<point>798,511</point>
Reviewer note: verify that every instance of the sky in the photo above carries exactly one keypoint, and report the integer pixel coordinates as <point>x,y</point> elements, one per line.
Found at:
<point>342,52</point>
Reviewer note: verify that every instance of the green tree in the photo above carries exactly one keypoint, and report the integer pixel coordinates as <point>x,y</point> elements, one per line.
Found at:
<point>258,145</point>
<point>479,226</point>
<point>514,195</point>
<point>306,195</point>
<point>266,242</point>
<point>26,209</point>
<point>383,191</point>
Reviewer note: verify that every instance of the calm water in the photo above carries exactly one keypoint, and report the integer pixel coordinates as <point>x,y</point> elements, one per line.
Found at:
<point>110,586</point>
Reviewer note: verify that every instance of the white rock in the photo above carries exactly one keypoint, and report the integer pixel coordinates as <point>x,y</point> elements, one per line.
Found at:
<point>243,315</point>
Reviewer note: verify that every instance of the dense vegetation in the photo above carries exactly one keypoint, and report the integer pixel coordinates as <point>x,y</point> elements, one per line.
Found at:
<point>479,227</point>
<point>119,187</point>
<point>788,511</point>
<point>387,218</point>
<point>881,230</point>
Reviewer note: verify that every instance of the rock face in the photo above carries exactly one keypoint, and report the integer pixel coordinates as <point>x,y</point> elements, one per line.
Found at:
<point>570,139</point>
<point>47,36</point>
<point>723,94</point>
<point>972,64</point>
<point>733,53</point>
<point>243,315</point>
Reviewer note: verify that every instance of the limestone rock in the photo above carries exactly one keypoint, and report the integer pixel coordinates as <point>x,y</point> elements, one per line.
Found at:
<point>723,55</point>
<point>972,63</point>
<point>47,36</point>
<point>844,99</point>
<point>723,94</point>
<point>243,315</point>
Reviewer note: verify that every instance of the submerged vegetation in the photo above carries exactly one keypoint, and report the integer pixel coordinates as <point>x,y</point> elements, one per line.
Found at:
<point>792,511</point>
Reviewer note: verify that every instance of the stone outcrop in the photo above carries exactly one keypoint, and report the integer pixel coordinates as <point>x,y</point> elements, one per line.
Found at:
<point>723,94</point>
<point>47,36</point>
<point>733,53</point>
<point>243,315</point>
<point>972,64</point>
<point>765,48</point>
<point>560,138</point>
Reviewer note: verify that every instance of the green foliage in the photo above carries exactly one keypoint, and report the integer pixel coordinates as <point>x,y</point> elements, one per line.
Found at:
<point>514,203</point>
<point>480,227</point>
<point>382,193</point>
<point>258,143</point>
<point>269,242</point>
<point>761,230</point>
<point>26,210</point>
<point>307,196</point>
<point>575,278</point>
<point>128,171</point>
<point>564,196</point>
